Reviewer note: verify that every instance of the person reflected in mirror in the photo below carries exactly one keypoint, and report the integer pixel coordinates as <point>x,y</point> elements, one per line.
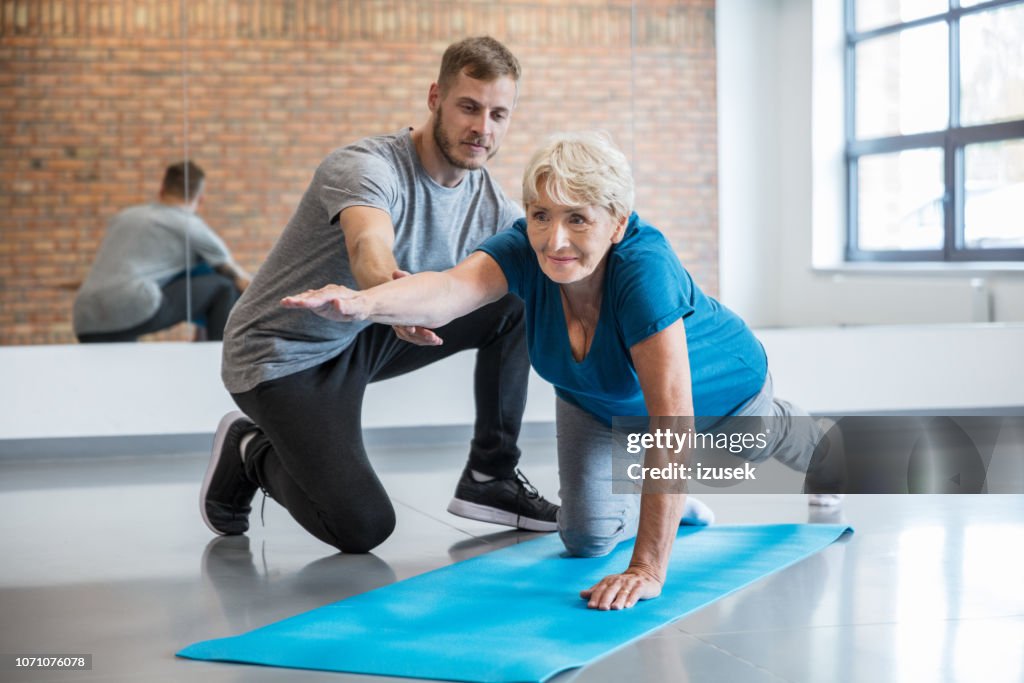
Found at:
<point>375,210</point>
<point>155,260</point>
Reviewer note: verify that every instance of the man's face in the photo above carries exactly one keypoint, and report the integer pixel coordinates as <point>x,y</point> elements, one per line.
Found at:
<point>471,119</point>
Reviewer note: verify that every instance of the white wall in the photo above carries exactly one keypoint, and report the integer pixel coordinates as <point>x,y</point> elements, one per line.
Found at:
<point>153,389</point>
<point>874,369</point>
<point>749,207</point>
<point>175,388</point>
<point>775,187</point>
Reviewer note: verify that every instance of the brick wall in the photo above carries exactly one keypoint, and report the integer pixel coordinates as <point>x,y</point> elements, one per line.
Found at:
<point>99,96</point>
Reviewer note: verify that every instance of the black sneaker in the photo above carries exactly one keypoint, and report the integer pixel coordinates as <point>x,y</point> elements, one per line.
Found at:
<point>513,502</point>
<point>226,493</point>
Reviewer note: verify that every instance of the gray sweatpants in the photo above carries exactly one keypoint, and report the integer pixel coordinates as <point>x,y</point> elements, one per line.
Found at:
<point>592,520</point>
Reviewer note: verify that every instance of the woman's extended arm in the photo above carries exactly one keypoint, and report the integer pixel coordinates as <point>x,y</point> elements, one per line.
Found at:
<point>429,299</point>
<point>663,367</point>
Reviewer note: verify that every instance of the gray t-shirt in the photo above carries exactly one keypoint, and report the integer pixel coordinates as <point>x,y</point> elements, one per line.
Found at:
<point>435,228</point>
<point>144,249</point>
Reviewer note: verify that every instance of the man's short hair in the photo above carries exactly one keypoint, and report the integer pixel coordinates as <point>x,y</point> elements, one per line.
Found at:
<point>183,179</point>
<point>483,58</point>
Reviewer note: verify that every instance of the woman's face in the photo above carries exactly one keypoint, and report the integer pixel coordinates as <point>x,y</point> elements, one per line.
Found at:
<point>570,241</point>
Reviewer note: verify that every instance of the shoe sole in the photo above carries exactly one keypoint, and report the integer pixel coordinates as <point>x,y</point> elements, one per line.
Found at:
<point>218,446</point>
<point>483,513</point>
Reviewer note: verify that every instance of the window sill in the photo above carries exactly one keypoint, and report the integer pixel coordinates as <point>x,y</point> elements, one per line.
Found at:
<point>962,269</point>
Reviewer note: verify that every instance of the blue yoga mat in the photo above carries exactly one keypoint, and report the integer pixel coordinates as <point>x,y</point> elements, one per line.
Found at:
<point>514,614</point>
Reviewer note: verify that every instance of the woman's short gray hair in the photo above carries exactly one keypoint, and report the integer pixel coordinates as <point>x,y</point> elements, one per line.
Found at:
<point>581,169</point>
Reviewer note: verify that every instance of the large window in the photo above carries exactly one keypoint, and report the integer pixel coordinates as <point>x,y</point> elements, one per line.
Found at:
<point>935,130</point>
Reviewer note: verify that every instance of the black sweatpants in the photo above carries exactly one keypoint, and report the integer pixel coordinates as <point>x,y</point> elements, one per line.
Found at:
<point>213,295</point>
<point>308,453</point>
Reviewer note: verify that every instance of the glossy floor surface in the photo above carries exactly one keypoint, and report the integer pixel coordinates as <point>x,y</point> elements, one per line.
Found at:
<point>108,557</point>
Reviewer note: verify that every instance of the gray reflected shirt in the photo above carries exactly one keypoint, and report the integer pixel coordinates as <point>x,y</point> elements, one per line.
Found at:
<point>435,228</point>
<point>143,249</point>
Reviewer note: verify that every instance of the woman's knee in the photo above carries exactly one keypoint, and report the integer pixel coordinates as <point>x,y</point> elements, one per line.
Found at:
<point>587,545</point>
<point>594,536</point>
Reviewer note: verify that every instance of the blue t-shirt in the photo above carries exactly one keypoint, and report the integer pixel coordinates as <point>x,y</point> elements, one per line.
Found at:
<point>646,289</point>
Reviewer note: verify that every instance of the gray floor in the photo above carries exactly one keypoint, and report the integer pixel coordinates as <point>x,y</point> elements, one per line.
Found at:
<point>108,557</point>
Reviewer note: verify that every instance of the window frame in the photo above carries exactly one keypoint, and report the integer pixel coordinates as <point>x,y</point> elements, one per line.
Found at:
<point>952,140</point>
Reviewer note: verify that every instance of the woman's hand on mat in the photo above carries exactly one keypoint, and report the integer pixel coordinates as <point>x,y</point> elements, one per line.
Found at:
<point>333,302</point>
<point>622,591</point>
<point>414,334</point>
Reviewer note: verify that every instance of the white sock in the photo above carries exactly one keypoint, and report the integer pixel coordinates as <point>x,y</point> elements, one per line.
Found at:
<point>697,513</point>
<point>480,477</point>
<point>245,442</point>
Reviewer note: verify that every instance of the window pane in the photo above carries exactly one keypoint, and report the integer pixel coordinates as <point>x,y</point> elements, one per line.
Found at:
<point>900,200</point>
<point>877,13</point>
<point>994,207</point>
<point>992,65</point>
<point>902,82</point>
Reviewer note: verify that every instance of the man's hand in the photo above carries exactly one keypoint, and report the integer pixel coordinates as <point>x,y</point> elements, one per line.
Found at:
<point>622,591</point>
<point>333,302</point>
<point>414,334</point>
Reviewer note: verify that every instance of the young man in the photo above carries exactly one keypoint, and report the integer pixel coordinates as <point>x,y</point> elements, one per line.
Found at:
<point>419,199</point>
<point>136,284</point>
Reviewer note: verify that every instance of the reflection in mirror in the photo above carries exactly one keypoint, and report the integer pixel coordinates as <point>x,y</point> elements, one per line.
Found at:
<point>97,113</point>
<point>94,116</point>
<point>159,265</point>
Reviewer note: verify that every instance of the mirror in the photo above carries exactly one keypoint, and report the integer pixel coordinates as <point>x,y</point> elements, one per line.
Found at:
<point>95,91</point>
<point>106,95</point>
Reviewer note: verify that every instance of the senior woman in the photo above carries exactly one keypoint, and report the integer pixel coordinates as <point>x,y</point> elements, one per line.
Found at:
<point>616,324</point>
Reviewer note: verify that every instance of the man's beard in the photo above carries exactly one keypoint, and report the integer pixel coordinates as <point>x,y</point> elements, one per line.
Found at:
<point>446,146</point>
